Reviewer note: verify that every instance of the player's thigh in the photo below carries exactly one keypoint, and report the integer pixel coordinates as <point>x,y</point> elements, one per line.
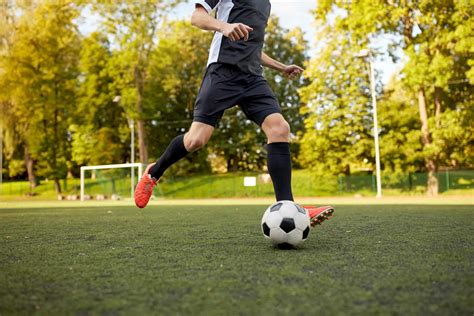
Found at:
<point>259,102</point>
<point>218,92</point>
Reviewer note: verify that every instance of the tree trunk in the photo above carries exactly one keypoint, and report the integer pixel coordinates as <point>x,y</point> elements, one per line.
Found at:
<point>229,164</point>
<point>142,139</point>
<point>57,186</point>
<point>430,163</point>
<point>438,91</point>
<point>54,163</point>
<point>347,177</point>
<point>432,185</point>
<point>142,142</point>
<point>233,164</point>
<point>29,162</point>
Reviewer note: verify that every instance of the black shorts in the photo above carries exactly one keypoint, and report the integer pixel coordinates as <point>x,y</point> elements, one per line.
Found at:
<point>225,86</point>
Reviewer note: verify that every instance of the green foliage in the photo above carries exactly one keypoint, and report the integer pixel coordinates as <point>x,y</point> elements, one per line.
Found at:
<point>95,147</point>
<point>99,129</point>
<point>16,167</point>
<point>41,75</point>
<point>132,27</point>
<point>337,102</point>
<point>440,65</point>
<point>13,148</point>
<point>453,139</point>
<point>437,40</point>
<point>401,149</point>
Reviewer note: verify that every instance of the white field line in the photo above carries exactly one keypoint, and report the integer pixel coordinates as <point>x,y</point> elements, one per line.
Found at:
<point>396,200</point>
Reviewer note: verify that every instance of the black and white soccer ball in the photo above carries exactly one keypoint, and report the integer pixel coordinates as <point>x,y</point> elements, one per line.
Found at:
<point>286,224</point>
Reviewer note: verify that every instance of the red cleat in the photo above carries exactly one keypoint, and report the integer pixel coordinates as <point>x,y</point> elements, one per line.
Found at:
<point>319,214</point>
<point>144,188</point>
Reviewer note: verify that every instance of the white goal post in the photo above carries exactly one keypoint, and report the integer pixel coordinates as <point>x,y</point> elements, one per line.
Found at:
<point>132,167</point>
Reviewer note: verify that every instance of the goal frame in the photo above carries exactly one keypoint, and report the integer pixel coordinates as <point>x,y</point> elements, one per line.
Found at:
<point>132,167</point>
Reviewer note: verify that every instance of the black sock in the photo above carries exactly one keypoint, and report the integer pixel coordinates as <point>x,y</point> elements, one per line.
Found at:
<point>279,167</point>
<point>172,154</point>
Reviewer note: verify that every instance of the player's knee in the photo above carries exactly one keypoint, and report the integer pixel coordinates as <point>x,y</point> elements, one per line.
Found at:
<point>280,131</point>
<point>195,143</point>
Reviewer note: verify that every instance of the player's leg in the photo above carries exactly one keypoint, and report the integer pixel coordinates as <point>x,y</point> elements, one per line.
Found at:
<point>277,130</point>
<point>279,165</point>
<point>197,136</point>
<point>213,98</point>
<point>261,106</point>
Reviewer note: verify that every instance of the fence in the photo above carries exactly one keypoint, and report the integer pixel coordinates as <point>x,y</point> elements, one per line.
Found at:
<point>231,185</point>
<point>412,182</point>
<point>104,186</point>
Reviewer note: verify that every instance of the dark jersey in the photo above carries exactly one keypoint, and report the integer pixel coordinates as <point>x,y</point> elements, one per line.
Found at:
<point>246,55</point>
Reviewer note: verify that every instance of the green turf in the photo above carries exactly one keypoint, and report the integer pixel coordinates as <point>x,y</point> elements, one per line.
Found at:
<point>213,260</point>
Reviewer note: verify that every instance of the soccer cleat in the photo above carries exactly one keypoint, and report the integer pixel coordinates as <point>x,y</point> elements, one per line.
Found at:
<point>318,215</point>
<point>144,188</point>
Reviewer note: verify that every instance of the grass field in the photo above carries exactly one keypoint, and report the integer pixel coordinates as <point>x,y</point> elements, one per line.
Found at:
<point>213,260</point>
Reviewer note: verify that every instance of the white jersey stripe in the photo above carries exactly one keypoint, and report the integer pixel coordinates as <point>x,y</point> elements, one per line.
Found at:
<point>223,12</point>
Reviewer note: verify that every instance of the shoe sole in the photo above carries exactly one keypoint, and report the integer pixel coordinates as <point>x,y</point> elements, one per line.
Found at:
<point>321,217</point>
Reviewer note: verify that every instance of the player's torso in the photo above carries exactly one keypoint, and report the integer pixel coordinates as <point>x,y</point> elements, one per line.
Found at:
<point>244,54</point>
<point>254,13</point>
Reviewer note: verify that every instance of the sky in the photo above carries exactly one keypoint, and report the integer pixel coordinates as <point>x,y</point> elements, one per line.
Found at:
<point>292,13</point>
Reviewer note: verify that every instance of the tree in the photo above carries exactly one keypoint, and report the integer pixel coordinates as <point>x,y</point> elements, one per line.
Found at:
<point>437,67</point>
<point>401,150</point>
<point>11,132</point>
<point>132,27</point>
<point>42,69</point>
<point>338,134</point>
<point>100,131</point>
<point>434,36</point>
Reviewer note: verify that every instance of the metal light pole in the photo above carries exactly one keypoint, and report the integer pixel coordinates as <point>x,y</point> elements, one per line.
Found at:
<point>367,55</point>
<point>131,124</point>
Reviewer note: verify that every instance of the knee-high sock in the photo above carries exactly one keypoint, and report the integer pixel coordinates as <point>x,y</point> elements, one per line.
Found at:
<point>172,154</point>
<point>279,167</point>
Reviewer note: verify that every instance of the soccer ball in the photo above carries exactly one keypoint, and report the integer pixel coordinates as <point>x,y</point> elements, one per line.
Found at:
<point>286,224</point>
